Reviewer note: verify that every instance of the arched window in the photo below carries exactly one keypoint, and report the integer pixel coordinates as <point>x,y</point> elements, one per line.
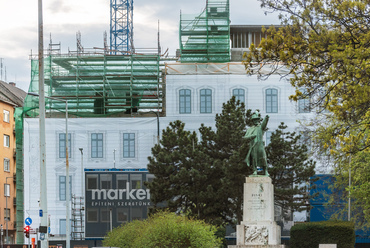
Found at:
<point>271,101</point>
<point>206,101</point>
<point>185,101</point>
<point>239,95</point>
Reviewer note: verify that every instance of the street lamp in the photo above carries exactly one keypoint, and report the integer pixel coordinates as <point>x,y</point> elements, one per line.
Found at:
<point>157,114</point>
<point>82,171</point>
<point>6,207</point>
<point>67,167</point>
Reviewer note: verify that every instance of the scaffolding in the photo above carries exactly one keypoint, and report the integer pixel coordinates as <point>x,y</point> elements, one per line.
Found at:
<point>206,37</point>
<point>98,84</point>
<point>78,213</point>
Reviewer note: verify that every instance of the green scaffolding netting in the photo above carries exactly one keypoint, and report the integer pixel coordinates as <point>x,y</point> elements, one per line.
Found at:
<point>98,84</point>
<point>206,37</point>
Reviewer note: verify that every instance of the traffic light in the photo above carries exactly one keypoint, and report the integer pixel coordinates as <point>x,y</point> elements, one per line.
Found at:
<point>27,231</point>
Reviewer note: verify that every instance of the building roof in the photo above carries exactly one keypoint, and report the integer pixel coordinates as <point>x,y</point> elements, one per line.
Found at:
<point>11,94</point>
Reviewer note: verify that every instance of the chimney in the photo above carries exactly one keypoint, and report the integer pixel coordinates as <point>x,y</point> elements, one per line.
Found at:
<point>12,84</point>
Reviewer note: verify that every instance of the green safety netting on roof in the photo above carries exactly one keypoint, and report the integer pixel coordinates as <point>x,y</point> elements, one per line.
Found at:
<point>98,84</point>
<point>206,37</point>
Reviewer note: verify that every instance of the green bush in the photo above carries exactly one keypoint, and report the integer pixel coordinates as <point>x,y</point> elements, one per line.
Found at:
<point>164,229</point>
<point>311,234</point>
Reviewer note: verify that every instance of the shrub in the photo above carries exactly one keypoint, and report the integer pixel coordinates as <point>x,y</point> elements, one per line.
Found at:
<point>312,234</point>
<point>164,229</point>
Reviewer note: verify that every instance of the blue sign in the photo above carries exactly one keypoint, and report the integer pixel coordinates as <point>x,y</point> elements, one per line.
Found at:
<point>28,221</point>
<point>40,213</point>
<point>42,236</point>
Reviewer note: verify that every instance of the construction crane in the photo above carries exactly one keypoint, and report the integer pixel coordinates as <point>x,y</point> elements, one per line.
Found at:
<point>121,26</point>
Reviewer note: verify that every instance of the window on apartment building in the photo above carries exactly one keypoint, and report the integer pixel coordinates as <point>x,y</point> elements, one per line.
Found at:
<point>137,213</point>
<point>96,145</point>
<point>6,117</point>
<point>185,101</point>
<point>6,140</point>
<point>105,181</point>
<point>7,214</point>
<point>239,95</point>
<point>6,164</point>
<point>128,145</point>
<point>63,188</point>
<point>62,145</point>
<point>122,215</point>
<point>206,101</point>
<point>304,102</point>
<point>271,101</point>
<point>6,190</point>
<point>92,215</point>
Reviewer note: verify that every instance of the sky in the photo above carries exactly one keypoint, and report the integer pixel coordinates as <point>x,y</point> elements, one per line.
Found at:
<point>63,19</point>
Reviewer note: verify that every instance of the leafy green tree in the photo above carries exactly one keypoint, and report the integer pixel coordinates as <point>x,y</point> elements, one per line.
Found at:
<point>163,229</point>
<point>325,46</point>
<point>290,169</point>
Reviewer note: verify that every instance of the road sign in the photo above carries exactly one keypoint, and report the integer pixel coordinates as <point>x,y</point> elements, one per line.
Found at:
<point>28,221</point>
<point>40,213</point>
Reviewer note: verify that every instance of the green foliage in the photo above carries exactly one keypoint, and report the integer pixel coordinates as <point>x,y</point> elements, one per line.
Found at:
<point>341,233</point>
<point>290,169</point>
<point>164,229</point>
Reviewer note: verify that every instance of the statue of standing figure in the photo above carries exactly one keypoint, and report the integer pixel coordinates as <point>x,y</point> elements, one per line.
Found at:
<point>256,156</point>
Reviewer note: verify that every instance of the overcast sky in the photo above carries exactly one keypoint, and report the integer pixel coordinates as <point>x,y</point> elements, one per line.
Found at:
<point>63,18</point>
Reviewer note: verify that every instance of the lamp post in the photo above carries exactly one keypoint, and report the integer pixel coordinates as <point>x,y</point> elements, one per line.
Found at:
<point>67,167</point>
<point>6,207</point>
<point>82,171</point>
<point>157,114</point>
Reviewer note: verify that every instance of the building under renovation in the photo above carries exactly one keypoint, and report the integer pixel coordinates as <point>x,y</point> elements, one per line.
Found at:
<point>119,100</point>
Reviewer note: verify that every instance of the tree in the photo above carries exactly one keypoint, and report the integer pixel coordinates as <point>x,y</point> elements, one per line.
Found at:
<point>163,229</point>
<point>184,176</point>
<point>325,46</point>
<point>290,169</point>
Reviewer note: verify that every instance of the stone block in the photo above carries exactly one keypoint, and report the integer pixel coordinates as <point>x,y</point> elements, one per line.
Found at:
<point>327,246</point>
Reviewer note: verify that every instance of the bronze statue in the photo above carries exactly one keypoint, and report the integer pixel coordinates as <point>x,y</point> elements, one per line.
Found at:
<point>256,156</point>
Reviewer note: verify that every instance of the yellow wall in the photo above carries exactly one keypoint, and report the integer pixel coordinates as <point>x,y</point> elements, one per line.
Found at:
<point>7,128</point>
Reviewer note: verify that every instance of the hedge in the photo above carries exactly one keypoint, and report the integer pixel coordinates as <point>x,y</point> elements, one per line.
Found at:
<point>311,234</point>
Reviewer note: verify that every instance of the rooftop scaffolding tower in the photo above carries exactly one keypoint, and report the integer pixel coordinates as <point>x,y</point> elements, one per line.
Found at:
<point>206,37</point>
<point>121,26</point>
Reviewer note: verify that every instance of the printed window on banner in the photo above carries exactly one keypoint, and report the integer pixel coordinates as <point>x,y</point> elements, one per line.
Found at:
<point>6,164</point>
<point>136,181</point>
<point>206,101</point>
<point>62,145</point>
<point>6,116</point>
<point>121,181</point>
<point>63,189</point>
<point>137,213</point>
<point>96,145</point>
<point>185,101</point>
<point>62,226</point>
<point>268,137</point>
<point>271,101</point>
<point>105,181</point>
<point>91,182</point>
<point>92,215</point>
<point>6,140</point>
<point>105,215</point>
<point>128,145</point>
<point>122,215</point>
<point>239,95</point>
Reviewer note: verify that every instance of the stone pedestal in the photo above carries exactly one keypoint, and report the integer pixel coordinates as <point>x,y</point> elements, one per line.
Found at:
<point>258,228</point>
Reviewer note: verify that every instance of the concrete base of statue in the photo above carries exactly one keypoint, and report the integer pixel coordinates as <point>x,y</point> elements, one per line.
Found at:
<point>258,228</point>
